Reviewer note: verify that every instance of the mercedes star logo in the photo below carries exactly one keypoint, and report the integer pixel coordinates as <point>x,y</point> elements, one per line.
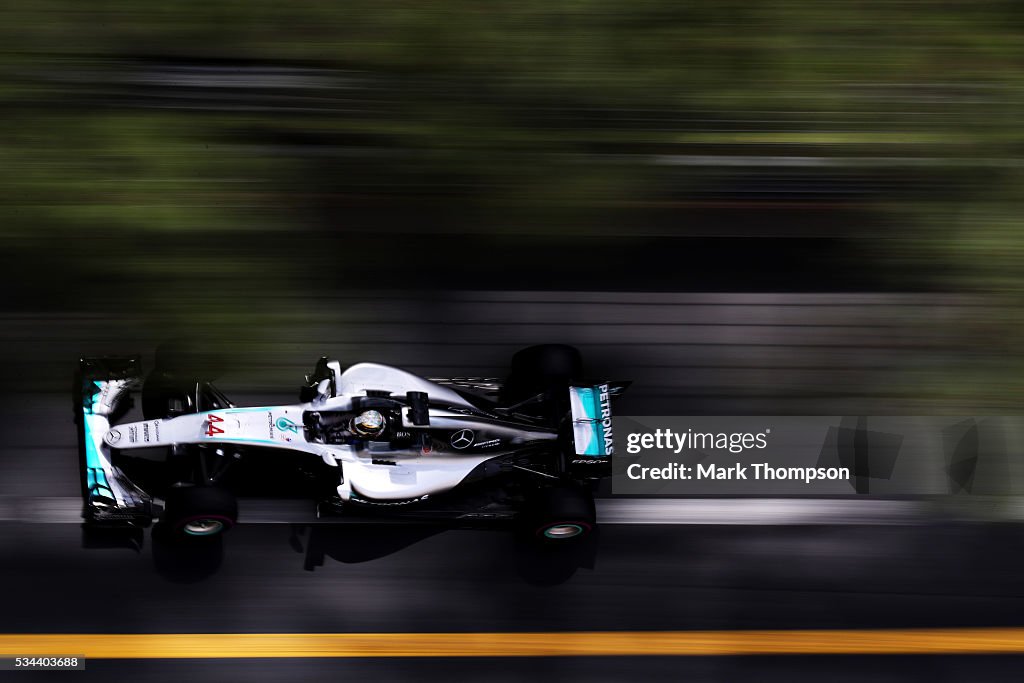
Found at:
<point>462,439</point>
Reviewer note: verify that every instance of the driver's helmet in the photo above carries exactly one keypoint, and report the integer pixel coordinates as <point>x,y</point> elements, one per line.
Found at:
<point>368,423</point>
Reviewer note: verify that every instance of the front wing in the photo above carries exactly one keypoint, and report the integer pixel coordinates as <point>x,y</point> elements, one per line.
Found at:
<point>109,496</point>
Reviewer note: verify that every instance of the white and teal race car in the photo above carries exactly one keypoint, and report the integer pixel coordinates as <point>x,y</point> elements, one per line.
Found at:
<point>373,440</point>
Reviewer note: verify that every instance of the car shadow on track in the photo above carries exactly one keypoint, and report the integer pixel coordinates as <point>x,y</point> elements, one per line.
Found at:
<point>193,560</point>
<point>186,561</point>
<point>536,563</point>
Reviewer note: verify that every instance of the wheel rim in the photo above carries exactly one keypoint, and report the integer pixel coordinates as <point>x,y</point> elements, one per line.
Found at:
<point>563,531</point>
<point>203,527</point>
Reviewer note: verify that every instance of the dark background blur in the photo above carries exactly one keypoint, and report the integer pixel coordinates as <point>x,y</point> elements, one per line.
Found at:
<point>833,185</point>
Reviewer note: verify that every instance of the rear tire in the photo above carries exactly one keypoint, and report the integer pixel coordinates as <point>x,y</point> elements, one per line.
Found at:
<point>547,361</point>
<point>561,514</point>
<point>548,369</point>
<point>199,511</point>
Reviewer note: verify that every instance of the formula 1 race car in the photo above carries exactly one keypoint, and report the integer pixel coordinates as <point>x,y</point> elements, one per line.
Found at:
<point>378,441</point>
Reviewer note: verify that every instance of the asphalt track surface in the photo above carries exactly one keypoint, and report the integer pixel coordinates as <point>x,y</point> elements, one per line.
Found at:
<point>384,579</point>
<point>783,566</point>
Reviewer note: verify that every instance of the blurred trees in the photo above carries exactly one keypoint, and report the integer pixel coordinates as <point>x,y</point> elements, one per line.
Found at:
<point>238,142</point>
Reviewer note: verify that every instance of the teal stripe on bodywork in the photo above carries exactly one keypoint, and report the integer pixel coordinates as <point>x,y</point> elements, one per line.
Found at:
<point>232,439</point>
<point>94,475</point>
<point>591,405</point>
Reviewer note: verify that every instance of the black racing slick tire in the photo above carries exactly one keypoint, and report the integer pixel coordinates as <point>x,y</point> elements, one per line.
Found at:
<point>547,362</point>
<point>165,395</point>
<point>561,514</point>
<point>546,368</point>
<point>171,388</point>
<point>198,511</point>
<point>190,358</point>
<point>181,381</point>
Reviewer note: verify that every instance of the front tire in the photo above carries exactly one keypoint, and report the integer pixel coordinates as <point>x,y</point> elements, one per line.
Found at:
<point>190,358</point>
<point>199,511</point>
<point>164,395</point>
<point>180,374</point>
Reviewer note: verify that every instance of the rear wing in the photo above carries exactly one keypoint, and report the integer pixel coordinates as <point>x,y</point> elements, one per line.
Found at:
<point>592,422</point>
<point>102,387</point>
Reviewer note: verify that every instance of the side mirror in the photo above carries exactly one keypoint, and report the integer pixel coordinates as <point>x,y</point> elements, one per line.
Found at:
<point>323,391</point>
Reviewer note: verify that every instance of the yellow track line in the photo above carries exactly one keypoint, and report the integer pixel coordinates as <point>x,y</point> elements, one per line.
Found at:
<point>551,644</point>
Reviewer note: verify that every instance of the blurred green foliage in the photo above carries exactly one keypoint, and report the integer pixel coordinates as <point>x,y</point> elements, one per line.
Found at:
<point>491,103</point>
<point>172,133</point>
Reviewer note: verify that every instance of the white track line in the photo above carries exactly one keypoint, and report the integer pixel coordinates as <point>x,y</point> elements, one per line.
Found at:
<point>697,511</point>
